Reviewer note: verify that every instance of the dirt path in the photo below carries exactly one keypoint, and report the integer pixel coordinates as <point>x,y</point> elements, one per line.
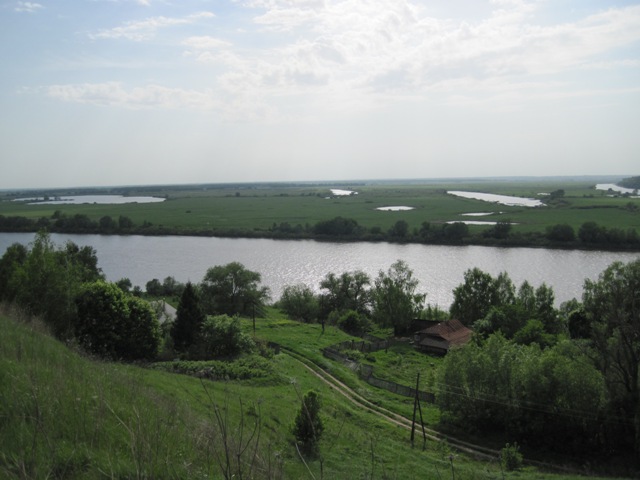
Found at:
<point>477,451</point>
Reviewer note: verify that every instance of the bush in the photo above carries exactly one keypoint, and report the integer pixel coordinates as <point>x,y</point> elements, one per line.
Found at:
<point>114,325</point>
<point>221,336</point>
<point>511,458</point>
<point>354,323</point>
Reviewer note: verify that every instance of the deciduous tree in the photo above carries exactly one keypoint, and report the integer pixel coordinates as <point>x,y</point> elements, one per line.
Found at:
<point>395,301</point>
<point>612,303</point>
<point>299,302</point>
<point>232,289</point>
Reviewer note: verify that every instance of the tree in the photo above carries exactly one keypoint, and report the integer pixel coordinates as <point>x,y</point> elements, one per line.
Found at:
<point>545,310</point>
<point>124,223</point>
<point>124,284</point>
<point>553,397</point>
<point>399,230</point>
<point>107,224</point>
<point>48,280</point>
<point>308,425</point>
<point>299,302</point>
<point>455,232</point>
<point>591,232</point>
<point>13,259</point>
<point>232,289</point>
<point>347,291</point>
<point>337,226</point>
<point>500,230</point>
<point>154,287</point>
<point>171,287</point>
<point>114,325</point>
<point>354,323</point>
<point>561,232</point>
<point>473,299</point>
<point>189,319</point>
<point>394,298</point>
<point>612,305</point>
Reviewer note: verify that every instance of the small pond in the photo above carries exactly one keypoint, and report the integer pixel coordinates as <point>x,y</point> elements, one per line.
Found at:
<point>477,214</point>
<point>336,192</point>
<point>398,208</point>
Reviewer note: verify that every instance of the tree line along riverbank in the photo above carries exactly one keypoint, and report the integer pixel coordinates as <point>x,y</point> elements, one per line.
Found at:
<point>574,215</point>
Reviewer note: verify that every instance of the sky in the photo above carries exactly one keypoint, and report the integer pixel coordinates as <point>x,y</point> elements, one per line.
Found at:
<point>137,92</point>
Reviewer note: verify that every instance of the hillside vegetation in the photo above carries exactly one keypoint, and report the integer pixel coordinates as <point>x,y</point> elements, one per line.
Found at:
<point>66,416</point>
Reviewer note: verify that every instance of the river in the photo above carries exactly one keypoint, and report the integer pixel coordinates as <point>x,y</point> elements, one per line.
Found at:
<point>439,269</point>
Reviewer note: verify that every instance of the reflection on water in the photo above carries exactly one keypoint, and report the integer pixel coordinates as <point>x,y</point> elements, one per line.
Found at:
<point>81,199</point>
<point>501,199</point>
<point>342,193</point>
<point>399,208</point>
<point>439,269</point>
<point>475,222</point>
<point>614,187</point>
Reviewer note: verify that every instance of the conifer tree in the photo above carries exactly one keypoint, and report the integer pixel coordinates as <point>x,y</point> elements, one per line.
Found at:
<point>189,319</point>
<point>308,424</point>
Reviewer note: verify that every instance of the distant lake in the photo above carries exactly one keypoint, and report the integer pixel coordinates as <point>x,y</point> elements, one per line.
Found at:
<point>81,199</point>
<point>501,199</point>
<point>438,268</point>
<point>614,187</point>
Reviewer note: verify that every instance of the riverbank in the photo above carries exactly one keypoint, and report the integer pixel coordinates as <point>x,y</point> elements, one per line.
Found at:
<point>438,268</point>
<point>439,238</point>
<point>569,214</point>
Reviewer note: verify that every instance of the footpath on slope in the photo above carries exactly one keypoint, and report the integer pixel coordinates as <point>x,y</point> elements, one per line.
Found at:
<point>477,451</point>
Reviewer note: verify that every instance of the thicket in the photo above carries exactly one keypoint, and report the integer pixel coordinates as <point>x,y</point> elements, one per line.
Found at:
<point>559,379</point>
<point>64,287</point>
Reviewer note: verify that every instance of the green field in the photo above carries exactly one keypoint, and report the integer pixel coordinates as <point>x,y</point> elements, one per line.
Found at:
<point>67,416</point>
<point>253,209</point>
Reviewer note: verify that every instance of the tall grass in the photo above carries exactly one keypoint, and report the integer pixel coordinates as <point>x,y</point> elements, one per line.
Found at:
<point>65,416</point>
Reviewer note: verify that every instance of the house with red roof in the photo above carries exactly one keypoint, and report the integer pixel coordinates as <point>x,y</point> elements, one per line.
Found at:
<point>441,337</point>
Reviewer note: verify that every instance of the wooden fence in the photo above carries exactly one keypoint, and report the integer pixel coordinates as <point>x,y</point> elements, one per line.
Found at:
<point>365,372</point>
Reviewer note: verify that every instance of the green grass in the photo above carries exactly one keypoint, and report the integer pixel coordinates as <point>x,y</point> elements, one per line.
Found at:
<point>256,209</point>
<point>401,363</point>
<point>63,415</point>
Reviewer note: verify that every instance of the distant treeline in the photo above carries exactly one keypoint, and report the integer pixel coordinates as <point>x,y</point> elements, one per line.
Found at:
<point>588,235</point>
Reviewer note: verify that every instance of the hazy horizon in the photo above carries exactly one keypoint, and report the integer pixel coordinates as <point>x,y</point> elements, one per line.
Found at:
<point>155,92</point>
<point>337,183</point>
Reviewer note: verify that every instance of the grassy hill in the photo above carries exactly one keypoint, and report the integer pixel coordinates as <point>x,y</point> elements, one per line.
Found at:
<point>63,415</point>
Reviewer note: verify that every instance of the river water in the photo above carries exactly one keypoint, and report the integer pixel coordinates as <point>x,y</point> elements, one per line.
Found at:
<point>439,269</point>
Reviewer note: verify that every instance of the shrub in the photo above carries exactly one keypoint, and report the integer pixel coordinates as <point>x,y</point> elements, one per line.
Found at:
<point>221,336</point>
<point>308,425</point>
<point>354,323</point>
<point>114,325</point>
<point>511,458</point>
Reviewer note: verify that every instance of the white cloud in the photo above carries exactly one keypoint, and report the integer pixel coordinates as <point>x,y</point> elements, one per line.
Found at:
<point>341,55</point>
<point>146,29</point>
<point>27,7</point>
<point>149,96</point>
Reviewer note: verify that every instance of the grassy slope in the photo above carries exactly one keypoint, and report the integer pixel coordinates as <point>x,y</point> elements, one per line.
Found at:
<point>64,416</point>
